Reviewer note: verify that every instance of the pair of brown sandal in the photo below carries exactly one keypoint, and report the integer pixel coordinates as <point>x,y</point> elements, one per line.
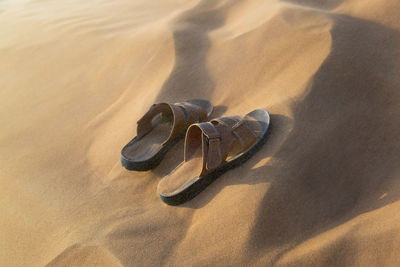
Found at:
<point>211,148</point>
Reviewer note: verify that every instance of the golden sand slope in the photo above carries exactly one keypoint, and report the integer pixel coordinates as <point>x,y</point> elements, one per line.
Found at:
<point>76,76</point>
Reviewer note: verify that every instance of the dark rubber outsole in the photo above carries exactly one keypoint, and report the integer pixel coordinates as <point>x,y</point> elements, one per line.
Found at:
<point>151,163</point>
<point>197,187</point>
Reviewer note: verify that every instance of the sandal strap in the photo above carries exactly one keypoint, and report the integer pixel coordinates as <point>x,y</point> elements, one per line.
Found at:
<point>193,113</point>
<point>216,139</point>
<point>211,145</point>
<point>182,114</point>
<point>239,129</point>
<point>206,136</point>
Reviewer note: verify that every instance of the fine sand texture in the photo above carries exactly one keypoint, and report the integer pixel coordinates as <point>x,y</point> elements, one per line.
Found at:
<point>75,76</point>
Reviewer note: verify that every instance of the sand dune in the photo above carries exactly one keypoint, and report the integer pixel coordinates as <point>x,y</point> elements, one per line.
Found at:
<point>76,76</point>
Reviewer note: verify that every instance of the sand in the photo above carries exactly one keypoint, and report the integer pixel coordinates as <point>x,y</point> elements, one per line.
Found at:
<point>77,75</point>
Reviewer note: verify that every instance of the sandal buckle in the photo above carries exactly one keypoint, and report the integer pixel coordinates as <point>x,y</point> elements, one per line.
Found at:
<point>213,138</point>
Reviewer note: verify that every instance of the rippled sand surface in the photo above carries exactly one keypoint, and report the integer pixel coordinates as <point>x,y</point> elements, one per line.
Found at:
<point>75,76</point>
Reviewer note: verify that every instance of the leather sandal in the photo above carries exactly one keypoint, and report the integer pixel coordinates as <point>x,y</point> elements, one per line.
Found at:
<point>212,148</point>
<point>159,129</point>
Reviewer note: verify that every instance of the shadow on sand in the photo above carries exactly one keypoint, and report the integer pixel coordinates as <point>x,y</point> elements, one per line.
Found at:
<point>189,77</point>
<point>344,147</point>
